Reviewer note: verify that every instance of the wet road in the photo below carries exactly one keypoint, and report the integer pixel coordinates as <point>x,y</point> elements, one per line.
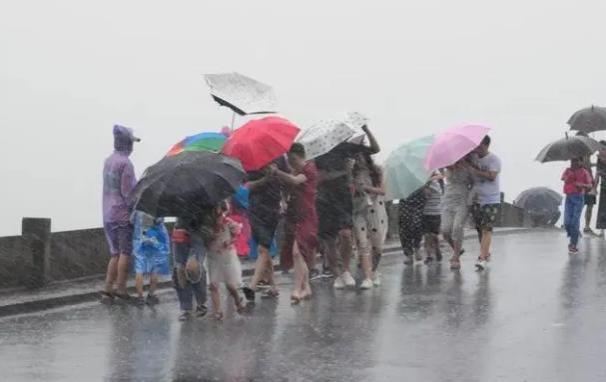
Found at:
<point>536,315</point>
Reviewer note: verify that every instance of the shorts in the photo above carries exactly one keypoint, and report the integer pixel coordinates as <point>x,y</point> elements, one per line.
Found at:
<point>335,213</point>
<point>431,224</point>
<point>486,216</point>
<point>590,200</point>
<point>119,237</point>
<point>263,228</point>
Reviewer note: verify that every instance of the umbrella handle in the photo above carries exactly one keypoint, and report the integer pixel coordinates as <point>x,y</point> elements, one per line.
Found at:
<point>233,118</point>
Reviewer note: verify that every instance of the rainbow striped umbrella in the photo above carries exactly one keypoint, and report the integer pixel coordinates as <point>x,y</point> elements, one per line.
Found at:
<point>212,142</point>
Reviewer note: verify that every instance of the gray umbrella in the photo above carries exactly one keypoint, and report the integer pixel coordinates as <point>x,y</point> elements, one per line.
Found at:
<point>568,148</point>
<point>539,199</point>
<point>242,94</point>
<point>589,119</point>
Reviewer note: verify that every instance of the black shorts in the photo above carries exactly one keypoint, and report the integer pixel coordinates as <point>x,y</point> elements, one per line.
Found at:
<point>263,228</point>
<point>431,224</point>
<point>335,213</point>
<point>590,200</point>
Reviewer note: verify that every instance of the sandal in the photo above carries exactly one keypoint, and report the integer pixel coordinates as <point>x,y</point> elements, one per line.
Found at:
<point>271,293</point>
<point>248,293</point>
<point>218,316</point>
<point>295,300</point>
<point>107,297</point>
<point>455,264</point>
<point>240,306</point>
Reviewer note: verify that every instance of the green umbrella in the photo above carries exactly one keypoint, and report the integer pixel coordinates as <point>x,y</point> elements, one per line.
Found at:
<point>405,170</point>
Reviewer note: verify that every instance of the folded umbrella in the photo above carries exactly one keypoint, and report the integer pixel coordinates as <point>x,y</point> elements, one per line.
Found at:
<point>589,119</point>
<point>242,94</point>
<point>324,136</point>
<point>187,184</point>
<point>453,145</point>
<point>260,141</point>
<point>404,168</point>
<point>568,148</point>
<point>200,142</point>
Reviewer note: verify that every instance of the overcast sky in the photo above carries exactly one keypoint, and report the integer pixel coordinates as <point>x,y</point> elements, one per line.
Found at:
<point>71,69</point>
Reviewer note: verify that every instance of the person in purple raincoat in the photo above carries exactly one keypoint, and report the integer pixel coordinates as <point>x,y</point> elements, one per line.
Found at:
<point>118,182</point>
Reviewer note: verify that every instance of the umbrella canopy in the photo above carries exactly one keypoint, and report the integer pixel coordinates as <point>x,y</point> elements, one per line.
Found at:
<point>186,184</point>
<point>589,119</point>
<point>539,199</point>
<point>258,142</point>
<point>568,148</point>
<point>242,94</point>
<point>212,142</point>
<point>356,121</point>
<point>453,145</point>
<point>324,136</point>
<point>405,171</point>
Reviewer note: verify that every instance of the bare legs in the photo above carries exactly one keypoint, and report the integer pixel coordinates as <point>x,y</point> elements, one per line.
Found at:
<point>455,262</point>
<point>112,273</point>
<point>153,284</point>
<point>301,290</point>
<point>117,273</point>
<point>215,296</point>
<point>485,243</point>
<point>264,269</point>
<point>588,215</point>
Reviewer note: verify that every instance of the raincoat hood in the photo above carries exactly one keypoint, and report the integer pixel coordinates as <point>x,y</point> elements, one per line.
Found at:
<point>123,139</point>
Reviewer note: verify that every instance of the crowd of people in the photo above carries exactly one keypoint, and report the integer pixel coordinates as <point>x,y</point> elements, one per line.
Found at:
<point>332,211</point>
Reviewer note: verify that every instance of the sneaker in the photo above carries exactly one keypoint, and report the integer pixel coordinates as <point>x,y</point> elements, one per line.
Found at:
<point>348,279</point>
<point>152,299</point>
<point>339,283</point>
<point>588,231</point>
<point>139,301</point>
<point>408,260</point>
<point>185,316</point>
<point>418,255</point>
<point>573,250</point>
<point>201,311</point>
<point>328,273</point>
<point>481,264</point>
<point>315,274</point>
<point>262,284</point>
<point>248,293</point>
<point>376,280</point>
<point>366,284</point>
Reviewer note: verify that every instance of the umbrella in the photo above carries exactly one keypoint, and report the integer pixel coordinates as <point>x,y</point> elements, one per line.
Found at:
<point>568,148</point>
<point>589,119</point>
<point>356,121</point>
<point>260,141</point>
<point>242,94</point>
<point>405,171</point>
<point>539,199</point>
<point>453,145</point>
<point>200,142</point>
<point>324,136</point>
<point>187,184</point>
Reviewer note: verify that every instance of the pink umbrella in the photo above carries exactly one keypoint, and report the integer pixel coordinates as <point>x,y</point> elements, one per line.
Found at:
<point>453,145</point>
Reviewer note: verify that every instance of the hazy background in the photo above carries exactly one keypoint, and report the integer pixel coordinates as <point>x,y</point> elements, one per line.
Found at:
<point>69,70</point>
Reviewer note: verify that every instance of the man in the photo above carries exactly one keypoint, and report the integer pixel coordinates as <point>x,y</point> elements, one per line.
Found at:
<point>335,208</point>
<point>118,182</point>
<point>264,215</point>
<point>590,196</point>
<point>485,168</point>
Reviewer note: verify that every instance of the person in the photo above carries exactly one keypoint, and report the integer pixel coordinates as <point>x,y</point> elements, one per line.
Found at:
<point>577,182</point>
<point>601,177</point>
<point>301,225</point>
<point>369,216</point>
<point>590,196</point>
<point>264,214</point>
<point>485,168</point>
<point>219,233</point>
<point>431,217</point>
<point>455,209</point>
<point>118,182</point>
<point>410,225</point>
<point>151,246</point>
<point>335,207</point>
<point>189,274</point>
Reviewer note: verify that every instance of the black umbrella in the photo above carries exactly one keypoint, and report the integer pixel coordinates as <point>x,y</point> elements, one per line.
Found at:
<point>589,119</point>
<point>538,199</point>
<point>187,184</point>
<point>568,148</point>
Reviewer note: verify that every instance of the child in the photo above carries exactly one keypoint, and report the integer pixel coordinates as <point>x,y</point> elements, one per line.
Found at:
<point>220,233</point>
<point>431,217</point>
<point>189,275</point>
<point>577,182</point>
<point>151,247</point>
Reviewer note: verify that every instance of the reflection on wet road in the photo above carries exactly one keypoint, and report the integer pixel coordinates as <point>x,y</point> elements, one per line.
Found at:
<point>536,315</point>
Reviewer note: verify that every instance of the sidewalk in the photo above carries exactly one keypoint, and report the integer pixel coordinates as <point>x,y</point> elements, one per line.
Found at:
<point>18,301</point>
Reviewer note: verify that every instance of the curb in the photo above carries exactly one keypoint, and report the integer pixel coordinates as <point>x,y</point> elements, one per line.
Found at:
<point>55,302</point>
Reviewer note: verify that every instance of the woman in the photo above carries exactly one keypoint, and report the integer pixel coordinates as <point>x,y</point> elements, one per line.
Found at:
<point>301,228</point>
<point>600,177</point>
<point>410,222</point>
<point>454,208</point>
<point>577,182</point>
<point>369,216</point>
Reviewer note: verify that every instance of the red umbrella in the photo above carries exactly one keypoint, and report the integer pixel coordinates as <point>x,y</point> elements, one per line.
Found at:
<point>258,142</point>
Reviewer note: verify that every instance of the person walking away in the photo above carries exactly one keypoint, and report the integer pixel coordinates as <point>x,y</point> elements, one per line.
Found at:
<point>264,214</point>
<point>455,209</point>
<point>189,275</point>
<point>577,182</point>
<point>432,218</point>
<point>220,233</point>
<point>118,182</point>
<point>590,196</point>
<point>301,226</point>
<point>410,225</point>
<point>369,216</point>
<point>485,168</point>
<point>601,177</point>
<point>151,246</point>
